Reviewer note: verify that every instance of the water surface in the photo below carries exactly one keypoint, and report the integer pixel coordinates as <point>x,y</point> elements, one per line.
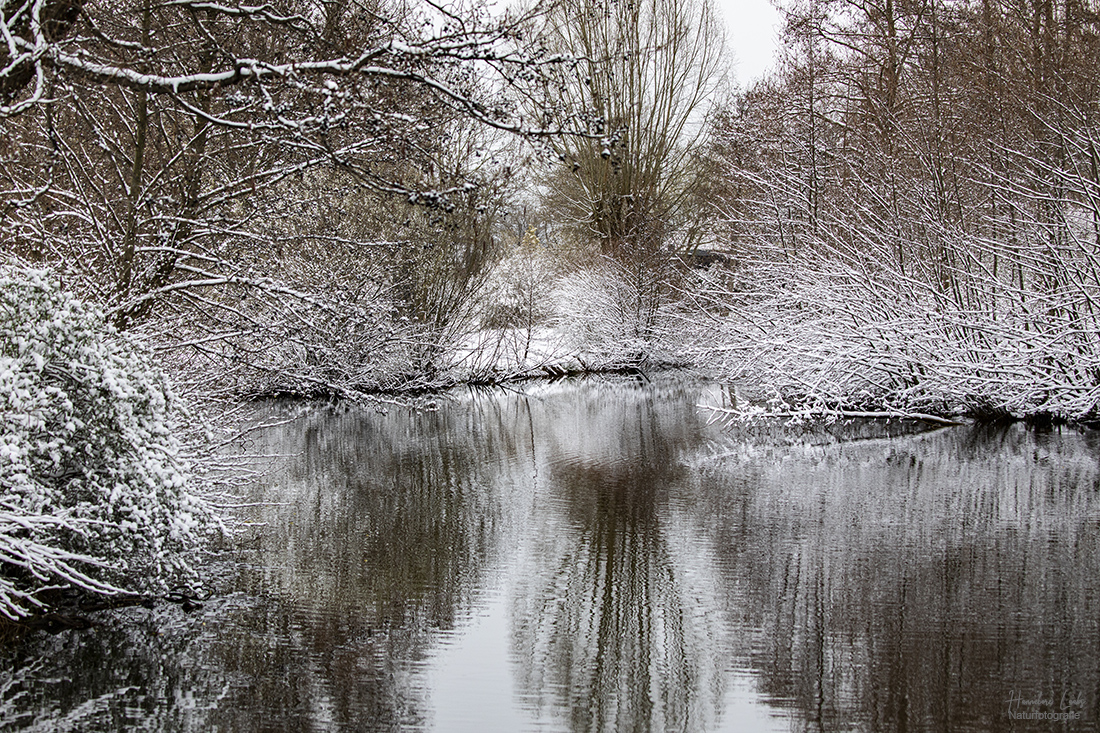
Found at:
<point>595,557</point>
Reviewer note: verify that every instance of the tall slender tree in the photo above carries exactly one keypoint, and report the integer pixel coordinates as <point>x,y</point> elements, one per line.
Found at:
<point>646,73</point>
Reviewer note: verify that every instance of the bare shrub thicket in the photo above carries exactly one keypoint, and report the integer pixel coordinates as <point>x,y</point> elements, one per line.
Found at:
<point>913,204</point>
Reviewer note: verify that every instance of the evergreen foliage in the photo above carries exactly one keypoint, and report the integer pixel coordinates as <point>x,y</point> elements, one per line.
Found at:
<point>94,489</point>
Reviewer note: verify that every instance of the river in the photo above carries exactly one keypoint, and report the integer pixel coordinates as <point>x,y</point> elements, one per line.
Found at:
<point>600,556</point>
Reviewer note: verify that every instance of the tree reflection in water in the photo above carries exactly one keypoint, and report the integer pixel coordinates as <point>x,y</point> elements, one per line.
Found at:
<point>914,583</point>
<point>374,536</point>
<point>388,525</point>
<point>603,636</point>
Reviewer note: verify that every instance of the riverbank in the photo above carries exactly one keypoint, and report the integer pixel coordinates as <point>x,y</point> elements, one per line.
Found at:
<point>803,339</point>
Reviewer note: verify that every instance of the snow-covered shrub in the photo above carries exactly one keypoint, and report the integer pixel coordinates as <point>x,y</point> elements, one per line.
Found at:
<point>336,341</point>
<point>813,339</point>
<point>614,313</point>
<point>518,292</point>
<point>94,489</point>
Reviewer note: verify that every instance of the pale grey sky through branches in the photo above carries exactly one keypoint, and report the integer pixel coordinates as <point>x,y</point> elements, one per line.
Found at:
<point>752,30</point>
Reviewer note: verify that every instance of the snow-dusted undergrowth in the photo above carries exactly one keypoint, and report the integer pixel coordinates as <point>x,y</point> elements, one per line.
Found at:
<point>812,339</point>
<point>614,313</point>
<point>94,490</point>
<point>541,316</point>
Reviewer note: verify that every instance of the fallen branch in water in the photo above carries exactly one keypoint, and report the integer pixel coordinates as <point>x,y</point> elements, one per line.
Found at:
<point>739,414</point>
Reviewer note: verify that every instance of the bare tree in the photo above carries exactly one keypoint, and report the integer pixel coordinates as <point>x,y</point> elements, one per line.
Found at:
<point>170,158</point>
<point>646,73</point>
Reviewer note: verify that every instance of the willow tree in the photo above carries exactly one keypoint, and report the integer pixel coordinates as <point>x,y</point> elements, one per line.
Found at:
<point>646,72</point>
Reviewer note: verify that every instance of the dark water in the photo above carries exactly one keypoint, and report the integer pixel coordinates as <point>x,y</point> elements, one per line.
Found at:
<point>595,557</point>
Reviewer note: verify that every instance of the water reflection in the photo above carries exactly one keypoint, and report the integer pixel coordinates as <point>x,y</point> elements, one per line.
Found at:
<point>604,640</point>
<point>915,583</point>
<point>373,538</point>
<point>595,557</point>
<point>388,525</point>
<point>385,527</point>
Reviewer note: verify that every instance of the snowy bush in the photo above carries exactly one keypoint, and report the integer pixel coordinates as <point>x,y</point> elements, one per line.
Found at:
<point>94,489</point>
<point>815,339</point>
<point>518,292</point>
<point>808,340</point>
<point>614,313</point>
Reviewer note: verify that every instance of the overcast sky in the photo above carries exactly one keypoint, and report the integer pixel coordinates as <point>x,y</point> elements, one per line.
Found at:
<point>753,26</point>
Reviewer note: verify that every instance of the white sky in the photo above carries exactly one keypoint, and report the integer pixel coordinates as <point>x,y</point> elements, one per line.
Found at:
<point>752,31</point>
